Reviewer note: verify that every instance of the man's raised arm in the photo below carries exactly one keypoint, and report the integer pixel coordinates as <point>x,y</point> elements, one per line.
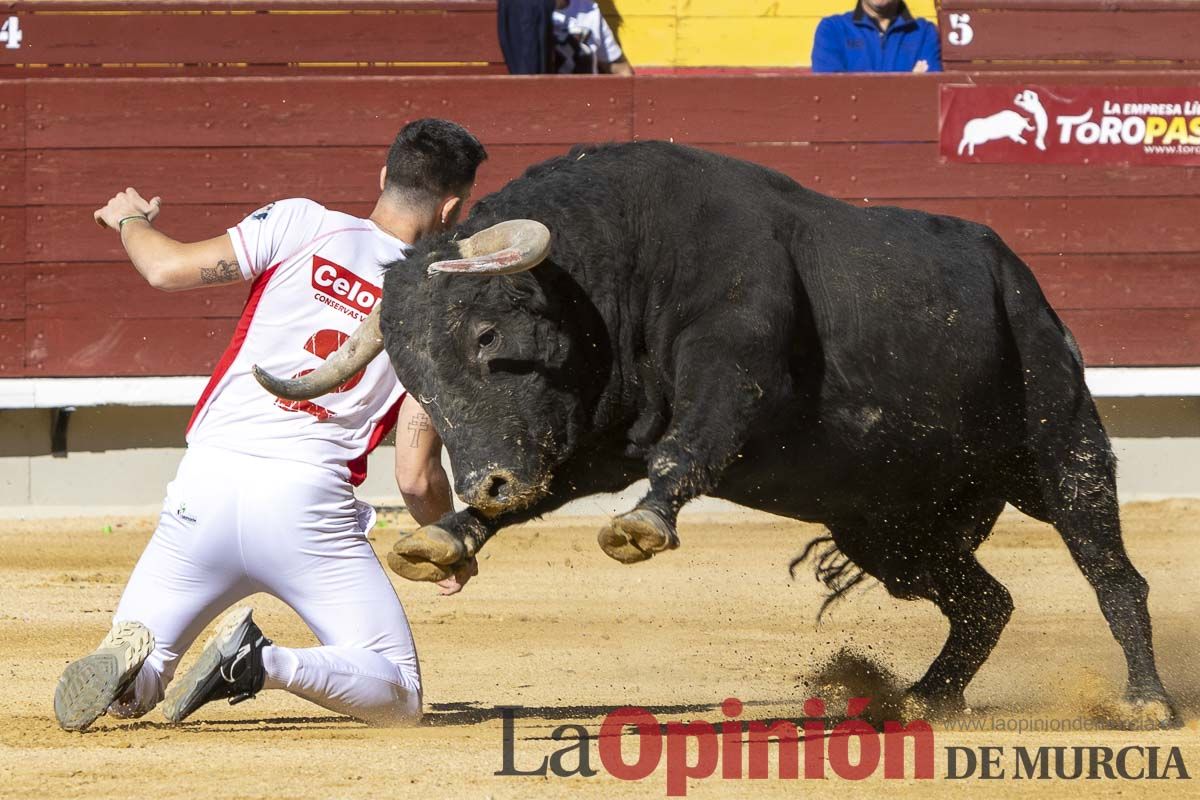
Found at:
<point>165,263</point>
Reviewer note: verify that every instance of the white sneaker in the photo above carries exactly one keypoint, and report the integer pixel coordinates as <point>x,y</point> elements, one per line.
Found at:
<point>90,685</point>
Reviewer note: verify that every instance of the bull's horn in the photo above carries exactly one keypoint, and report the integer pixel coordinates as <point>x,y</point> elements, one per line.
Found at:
<point>354,354</point>
<point>512,246</point>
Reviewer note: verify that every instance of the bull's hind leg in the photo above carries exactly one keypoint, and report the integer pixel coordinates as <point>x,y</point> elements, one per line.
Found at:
<point>978,607</point>
<point>1074,488</point>
<point>933,557</point>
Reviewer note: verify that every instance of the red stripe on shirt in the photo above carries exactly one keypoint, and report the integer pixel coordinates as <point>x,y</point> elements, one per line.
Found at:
<point>358,467</point>
<point>235,344</point>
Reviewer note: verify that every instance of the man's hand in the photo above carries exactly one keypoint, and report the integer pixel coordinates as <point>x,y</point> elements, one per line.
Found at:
<point>126,204</point>
<point>455,583</point>
<point>921,66</point>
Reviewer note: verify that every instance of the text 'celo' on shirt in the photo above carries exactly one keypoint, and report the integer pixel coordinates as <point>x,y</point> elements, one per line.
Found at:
<point>316,275</point>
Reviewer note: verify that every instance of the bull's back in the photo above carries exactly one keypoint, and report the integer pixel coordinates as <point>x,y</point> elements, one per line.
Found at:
<point>903,304</point>
<point>905,296</point>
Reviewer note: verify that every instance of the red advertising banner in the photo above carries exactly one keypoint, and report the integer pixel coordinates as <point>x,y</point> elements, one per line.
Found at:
<point>1070,124</point>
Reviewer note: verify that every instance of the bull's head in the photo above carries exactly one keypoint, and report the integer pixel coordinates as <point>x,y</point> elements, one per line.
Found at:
<point>475,338</point>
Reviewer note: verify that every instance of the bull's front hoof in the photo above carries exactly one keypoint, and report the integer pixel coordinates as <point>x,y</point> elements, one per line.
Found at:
<point>637,536</point>
<point>429,554</point>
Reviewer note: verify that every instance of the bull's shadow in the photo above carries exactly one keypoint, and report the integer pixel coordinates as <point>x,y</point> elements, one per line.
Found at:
<point>224,726</point>
<point>472,713</point>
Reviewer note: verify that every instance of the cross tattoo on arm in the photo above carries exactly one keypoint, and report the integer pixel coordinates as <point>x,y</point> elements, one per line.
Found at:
<point>418,424</point>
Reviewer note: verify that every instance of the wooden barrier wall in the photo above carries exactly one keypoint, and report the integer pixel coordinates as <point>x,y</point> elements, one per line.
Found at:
<point>115,38</point>
<point>1069,34</point>
<point>1117,249</point>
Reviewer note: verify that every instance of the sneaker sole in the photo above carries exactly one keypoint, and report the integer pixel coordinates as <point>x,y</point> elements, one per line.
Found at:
<point>180,701</point>
<point>90,685</point>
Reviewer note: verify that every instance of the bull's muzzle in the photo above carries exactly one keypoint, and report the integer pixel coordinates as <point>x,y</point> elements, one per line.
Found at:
<point>496,490</point>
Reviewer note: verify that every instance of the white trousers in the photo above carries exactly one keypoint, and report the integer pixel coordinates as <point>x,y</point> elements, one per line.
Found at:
<point>233,525</point>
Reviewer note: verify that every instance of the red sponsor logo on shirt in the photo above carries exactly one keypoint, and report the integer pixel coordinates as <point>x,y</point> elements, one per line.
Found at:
<point>334,280</point>
<point>321,344</point>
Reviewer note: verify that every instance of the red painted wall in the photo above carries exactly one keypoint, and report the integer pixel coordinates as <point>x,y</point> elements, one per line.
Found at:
<point>1117,249</point>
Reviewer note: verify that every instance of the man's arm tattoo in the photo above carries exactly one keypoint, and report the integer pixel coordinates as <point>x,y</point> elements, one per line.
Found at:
<point>223,272</point>
<point>418,425</point>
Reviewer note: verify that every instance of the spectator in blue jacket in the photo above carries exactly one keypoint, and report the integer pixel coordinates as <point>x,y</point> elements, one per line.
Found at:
<point>877,36</point>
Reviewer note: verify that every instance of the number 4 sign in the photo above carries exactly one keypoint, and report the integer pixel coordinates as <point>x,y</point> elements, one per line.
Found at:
<point>10,33</point>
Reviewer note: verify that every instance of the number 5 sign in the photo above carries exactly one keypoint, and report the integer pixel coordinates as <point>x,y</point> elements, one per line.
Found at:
<point>961,33</point>
<point>10,33</point>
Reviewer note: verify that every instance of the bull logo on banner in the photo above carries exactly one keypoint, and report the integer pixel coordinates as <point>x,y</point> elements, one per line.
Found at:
<point>1008,124</point>
<point>1065,125</point>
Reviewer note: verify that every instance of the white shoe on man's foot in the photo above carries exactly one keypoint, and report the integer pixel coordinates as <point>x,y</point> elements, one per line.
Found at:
<point>90,685</point>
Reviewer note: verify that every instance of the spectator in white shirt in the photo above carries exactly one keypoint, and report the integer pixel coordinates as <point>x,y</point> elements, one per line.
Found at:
<point>584,43</point>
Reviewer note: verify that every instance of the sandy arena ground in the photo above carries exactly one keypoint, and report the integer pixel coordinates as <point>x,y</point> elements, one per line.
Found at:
<point>553,625</point>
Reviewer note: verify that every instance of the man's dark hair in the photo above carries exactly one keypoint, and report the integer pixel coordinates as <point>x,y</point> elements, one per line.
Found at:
<point>432,158</point>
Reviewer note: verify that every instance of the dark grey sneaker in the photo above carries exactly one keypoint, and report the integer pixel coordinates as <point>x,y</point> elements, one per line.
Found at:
<point>231,666</point>
<point>90,685</point>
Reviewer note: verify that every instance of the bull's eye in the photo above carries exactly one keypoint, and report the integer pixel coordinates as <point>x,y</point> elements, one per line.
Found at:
<point>487,338</point>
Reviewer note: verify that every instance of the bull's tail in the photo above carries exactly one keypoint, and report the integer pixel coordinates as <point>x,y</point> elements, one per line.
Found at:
<point>1050,360</point>
<point>831,567</point>
<point>1065,442</point>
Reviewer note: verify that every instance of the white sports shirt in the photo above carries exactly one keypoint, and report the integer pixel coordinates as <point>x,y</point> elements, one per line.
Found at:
<point>316,275</point>
<point>580,29</point>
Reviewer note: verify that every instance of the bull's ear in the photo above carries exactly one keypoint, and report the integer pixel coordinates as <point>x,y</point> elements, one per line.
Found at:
<point>551,343</point>
<point>526,292</point>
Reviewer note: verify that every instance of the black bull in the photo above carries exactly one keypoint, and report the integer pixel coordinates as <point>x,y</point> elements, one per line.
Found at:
<point>713,326</point>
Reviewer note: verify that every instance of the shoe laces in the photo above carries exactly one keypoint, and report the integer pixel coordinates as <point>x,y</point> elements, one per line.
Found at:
<point>229,672</point>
